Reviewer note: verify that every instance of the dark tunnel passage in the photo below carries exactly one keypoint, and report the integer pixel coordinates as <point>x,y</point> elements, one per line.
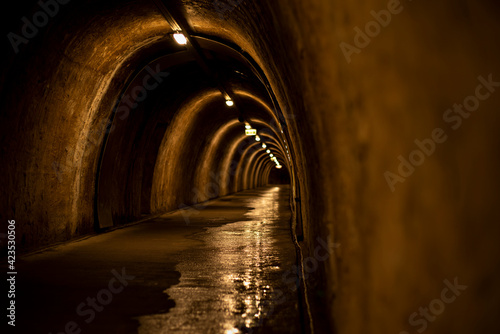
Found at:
<point>256,166</point>
<point>278,177</point>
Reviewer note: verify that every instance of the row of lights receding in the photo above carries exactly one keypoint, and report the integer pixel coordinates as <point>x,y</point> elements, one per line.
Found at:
<point>253,132</point>
<point>182,40</point>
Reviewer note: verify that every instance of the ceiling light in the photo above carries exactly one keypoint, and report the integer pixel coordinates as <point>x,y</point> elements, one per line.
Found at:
<point>264,145</point>
<point>180,38</point>
<point>268,151</point>
<point>229,103</point>
<point>271,155</point>
<point>248,126</point>
<point>279,166</point>
<point>257,138</point>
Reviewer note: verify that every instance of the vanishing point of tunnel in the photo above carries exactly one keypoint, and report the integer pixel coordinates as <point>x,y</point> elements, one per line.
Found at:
<point>250,166</point>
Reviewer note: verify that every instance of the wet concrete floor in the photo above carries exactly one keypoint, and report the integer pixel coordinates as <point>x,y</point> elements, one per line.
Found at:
<point>214,268</point>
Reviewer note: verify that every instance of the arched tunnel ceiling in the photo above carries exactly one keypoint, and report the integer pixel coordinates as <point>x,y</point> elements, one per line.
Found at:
<point>150,121</point>
<point>200,128</point>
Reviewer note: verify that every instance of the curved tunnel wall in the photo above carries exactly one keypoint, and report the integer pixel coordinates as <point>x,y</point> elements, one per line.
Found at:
<point>348,120</point>
<point>131,42</point>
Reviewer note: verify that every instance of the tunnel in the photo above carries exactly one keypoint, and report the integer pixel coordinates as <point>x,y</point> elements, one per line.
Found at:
<point>237,166</point>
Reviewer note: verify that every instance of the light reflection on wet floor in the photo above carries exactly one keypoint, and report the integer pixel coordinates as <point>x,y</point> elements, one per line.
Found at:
<point>227,283</point>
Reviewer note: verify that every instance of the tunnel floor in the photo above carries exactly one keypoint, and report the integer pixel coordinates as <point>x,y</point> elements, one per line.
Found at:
<point>215,268</point>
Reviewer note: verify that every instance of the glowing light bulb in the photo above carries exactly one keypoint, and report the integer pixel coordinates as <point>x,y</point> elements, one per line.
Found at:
<point>180,38</point>
<point>257,138</point>
<point>268,151</point>
<point>229,103</point>
<point>248,126</point>
<point>264,145</point>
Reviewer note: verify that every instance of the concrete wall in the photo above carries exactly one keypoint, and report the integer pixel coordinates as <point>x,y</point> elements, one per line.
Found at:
<point>354,104</point>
